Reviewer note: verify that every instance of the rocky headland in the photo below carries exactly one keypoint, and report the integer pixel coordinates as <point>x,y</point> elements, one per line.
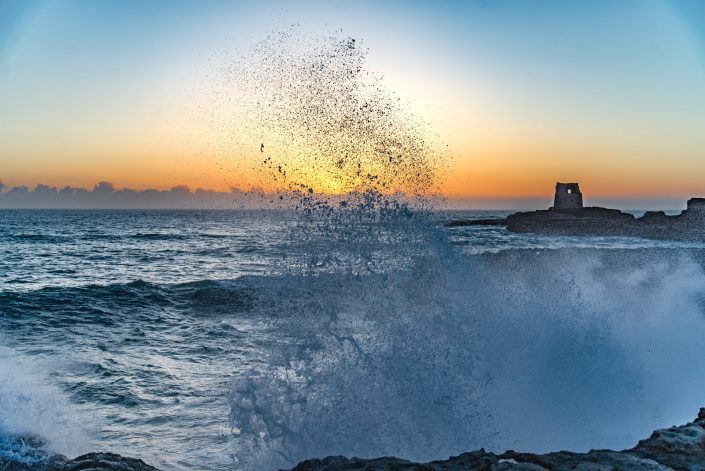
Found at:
<point>689,225</point>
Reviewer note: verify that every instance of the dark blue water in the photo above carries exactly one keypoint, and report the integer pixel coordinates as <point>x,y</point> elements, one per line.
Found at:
<point>76,248</point>
<point>234,339</point>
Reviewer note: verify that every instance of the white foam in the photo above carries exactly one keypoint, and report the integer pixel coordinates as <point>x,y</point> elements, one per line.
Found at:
<point>449,353</point>
<point>29,405</point>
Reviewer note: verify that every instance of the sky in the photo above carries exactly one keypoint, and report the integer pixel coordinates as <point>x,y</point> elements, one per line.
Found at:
<point>524,93</point>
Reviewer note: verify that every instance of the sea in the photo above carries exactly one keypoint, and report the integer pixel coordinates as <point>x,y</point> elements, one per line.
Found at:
<point>254,339</point>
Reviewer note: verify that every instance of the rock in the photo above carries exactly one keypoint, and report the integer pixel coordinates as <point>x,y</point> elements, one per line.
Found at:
<point>106,461</point>
<point>681,447</point>
<point>477,222</point>
<point>87,462</point>
<point>583,221</point>
<point>678,448</point>
<point>596,221</point>
<point>673,449</point>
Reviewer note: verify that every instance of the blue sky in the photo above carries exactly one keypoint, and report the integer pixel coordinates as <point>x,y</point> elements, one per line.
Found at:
<point>525,92</point>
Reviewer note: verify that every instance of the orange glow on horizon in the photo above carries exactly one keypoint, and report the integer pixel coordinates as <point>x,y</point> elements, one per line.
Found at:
<point>489,178</point>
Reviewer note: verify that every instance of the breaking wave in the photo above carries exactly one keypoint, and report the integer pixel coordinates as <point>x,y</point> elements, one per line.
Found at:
<point>369,330</point>
<point>533,351</point>
<point>36,419</point>
<point>388,340</point>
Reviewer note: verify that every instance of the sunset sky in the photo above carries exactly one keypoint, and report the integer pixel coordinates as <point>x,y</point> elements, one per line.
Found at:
<point>525,93</point>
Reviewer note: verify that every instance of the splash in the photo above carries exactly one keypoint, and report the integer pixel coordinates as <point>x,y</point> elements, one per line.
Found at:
<point>390,341</point>
<point>335,144</point>
<point>566,350</point>
<point>318,121</point>
<point>36,419</point>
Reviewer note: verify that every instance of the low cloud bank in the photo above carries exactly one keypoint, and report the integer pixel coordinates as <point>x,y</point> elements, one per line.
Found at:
<point>105,196</point>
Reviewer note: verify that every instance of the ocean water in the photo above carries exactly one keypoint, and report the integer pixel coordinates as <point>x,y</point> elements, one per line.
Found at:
<point>223,340</point>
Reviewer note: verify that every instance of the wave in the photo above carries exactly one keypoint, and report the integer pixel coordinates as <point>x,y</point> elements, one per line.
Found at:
<point>136,303</point>
<point>374,334</point>
<point>157,236</point>
<point>36,419</point>
<point>451,352</point>
<point>440,354</point>
<point>431,355</point>
<point>144,360</point>
<point>41,238</point>
<point>443,353</point>
<point>386,339</point>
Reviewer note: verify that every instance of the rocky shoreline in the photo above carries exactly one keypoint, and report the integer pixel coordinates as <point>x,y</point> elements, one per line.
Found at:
<point>677,448</point>
<point>87,462</point>
<point>689,225</point>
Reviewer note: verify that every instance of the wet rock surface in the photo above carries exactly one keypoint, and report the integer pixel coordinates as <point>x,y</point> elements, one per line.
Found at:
<point>87,462</point>
<point>106,461</point>
<point>675,448</point>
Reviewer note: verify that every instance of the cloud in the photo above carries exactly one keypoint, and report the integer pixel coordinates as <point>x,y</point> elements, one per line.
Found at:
<point>104,195</point>
<point>180,190</point>
<point>104,187</point>
<point>18,190</point>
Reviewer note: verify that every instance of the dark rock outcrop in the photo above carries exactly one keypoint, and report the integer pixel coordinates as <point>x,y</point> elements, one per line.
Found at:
<point>106,461</point>
<point>676,448</point>
<point>87,462</point>
<point>595,221</point>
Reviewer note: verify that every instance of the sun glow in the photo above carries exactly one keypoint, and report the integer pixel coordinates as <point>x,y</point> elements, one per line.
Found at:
<point>523,95</point>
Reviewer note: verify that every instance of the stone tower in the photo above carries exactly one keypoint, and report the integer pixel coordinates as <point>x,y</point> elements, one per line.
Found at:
<point>568,196</point>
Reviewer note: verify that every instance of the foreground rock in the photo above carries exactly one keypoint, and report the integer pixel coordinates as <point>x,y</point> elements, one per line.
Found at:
<point>87,462</point>
<point>675,448</point>
<point>107,461</point>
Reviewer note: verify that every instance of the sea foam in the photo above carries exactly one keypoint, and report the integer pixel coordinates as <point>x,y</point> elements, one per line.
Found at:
<point>532,351</point>
<point>387,339</point>
<point>36,418</point>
